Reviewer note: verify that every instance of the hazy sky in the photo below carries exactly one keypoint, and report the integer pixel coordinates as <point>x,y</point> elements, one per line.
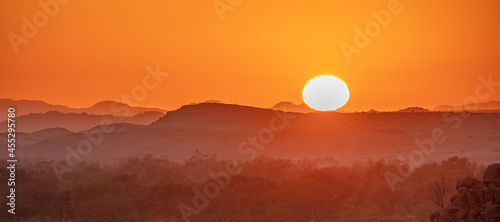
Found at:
<point>263,52</point>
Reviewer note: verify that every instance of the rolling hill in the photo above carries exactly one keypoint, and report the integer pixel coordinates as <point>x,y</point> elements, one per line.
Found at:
<point>24,107</point>
<point>291,107</point>
<point>241,132</point>
<point>76,121</point>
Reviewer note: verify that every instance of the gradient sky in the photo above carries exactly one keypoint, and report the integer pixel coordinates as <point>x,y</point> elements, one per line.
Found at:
<point>263,52</point>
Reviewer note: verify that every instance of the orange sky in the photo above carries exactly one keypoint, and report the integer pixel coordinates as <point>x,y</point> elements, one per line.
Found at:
<point>263,52</point>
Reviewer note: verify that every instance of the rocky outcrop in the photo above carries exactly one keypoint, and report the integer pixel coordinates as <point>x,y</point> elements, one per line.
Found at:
<point>474,200</point>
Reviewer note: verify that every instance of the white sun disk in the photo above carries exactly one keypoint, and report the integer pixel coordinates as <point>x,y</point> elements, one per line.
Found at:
<point>325,92</point>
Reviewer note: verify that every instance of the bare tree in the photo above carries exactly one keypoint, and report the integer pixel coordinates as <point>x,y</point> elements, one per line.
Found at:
<point>437,191</point>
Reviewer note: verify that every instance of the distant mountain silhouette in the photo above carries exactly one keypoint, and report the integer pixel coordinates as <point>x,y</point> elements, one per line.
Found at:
<point>24,107</point>
<point>291,107</point>
<point>50,132</point>
<point>24,139</point>
<point>207,101</point>
<point>413,110</point>
<point>75,121</point>
<point>213,101</point>
<point>106,108</point>
<point>491,106</point>
<point>215,116</point>
<point>230,131</point>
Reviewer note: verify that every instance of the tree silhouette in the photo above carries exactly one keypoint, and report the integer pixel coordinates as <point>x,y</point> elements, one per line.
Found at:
<point>437,192</point>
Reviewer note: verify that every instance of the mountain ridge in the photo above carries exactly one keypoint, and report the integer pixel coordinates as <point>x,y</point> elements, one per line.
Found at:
<point>489,106</point>
<point>228,131</point>
<point>75,122</point>
<point>107,107</point>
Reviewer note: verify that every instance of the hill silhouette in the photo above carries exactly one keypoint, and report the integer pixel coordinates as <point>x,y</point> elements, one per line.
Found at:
<point>25,107</point>
<point>490,106</point>
<point>291,107</point>
<point>413,110</point>
<point>221,129</point>
<point>76,121</point>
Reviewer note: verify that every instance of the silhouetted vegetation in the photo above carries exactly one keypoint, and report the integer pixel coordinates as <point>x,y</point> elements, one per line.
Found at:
<point>151,189</point>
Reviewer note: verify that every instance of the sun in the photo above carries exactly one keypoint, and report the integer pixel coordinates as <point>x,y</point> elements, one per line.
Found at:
<point>325,93</point>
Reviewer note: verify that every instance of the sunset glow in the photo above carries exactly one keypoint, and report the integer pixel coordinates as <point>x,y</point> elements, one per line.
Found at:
<point>262,52</point>
<point>250,110</point>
